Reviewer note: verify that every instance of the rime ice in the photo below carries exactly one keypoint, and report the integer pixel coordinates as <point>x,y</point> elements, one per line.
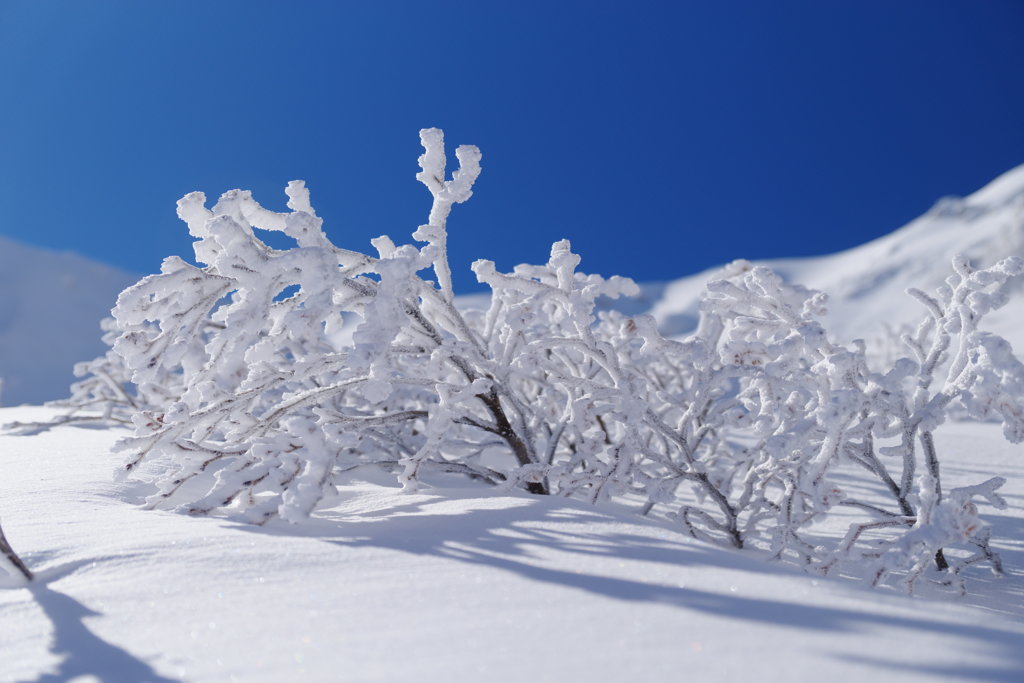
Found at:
<point>263,374</point>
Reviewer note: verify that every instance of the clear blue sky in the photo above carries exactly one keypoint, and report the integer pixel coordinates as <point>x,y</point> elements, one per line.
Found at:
<point>660,137</point>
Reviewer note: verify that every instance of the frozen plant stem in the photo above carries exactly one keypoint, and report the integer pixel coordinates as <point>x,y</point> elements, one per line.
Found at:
<point>12,557</point>
<point>506,432</point>
<point>932,461</point>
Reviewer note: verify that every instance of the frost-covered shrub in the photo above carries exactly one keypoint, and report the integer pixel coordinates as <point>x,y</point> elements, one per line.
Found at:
<point>261,375</point>
<point>953,361</point>
<point>792,409</point>
<point>280,396</point>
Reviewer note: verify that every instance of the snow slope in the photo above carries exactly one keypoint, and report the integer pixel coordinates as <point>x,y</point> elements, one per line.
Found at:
<point>49,318</point>
<point>866,285</point>
<point>456,585</point>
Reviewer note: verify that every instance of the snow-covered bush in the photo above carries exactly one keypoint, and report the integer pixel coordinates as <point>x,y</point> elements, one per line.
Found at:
<point>279,395</point>
<point>953,361</point>
<point>793,409</point>
<point>760,413</point>
<point>261,375</point>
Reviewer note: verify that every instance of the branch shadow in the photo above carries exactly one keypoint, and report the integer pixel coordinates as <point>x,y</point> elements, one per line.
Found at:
<point>83,652</point>
<point>509,540</point>
<point>1000,594</point>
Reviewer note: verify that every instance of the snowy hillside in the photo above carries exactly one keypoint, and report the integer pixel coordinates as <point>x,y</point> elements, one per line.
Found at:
<point>49,318</point>
<point>866,285</point>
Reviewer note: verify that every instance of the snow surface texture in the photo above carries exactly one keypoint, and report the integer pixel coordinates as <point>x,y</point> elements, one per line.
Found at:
<point>457,585</point>
<point>49,318</point>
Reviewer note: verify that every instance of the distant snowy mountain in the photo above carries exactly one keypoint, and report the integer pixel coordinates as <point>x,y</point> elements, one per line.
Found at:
<point>866,285</point>
<point>50,311</point>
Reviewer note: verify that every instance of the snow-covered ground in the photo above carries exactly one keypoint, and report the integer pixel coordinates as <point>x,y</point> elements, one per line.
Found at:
<point>467,585</point>
<point>459,585</point>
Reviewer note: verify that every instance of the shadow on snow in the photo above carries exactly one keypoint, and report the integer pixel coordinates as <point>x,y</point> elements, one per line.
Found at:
<point>83,652</point>
<point>509,539</point>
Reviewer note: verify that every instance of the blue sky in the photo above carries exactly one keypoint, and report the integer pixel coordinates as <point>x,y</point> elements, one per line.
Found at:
<point>660,137</point>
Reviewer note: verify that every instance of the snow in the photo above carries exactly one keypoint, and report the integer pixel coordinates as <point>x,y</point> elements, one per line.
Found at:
<point>463,584</point>
<point>866,285</point>
<point>56,300</point>
<point>456,584</point>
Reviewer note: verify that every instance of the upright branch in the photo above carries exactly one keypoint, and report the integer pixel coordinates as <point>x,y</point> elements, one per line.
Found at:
<point>446,193</point>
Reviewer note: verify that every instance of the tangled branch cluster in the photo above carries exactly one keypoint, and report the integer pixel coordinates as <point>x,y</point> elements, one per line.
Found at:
<point>261,375</point>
